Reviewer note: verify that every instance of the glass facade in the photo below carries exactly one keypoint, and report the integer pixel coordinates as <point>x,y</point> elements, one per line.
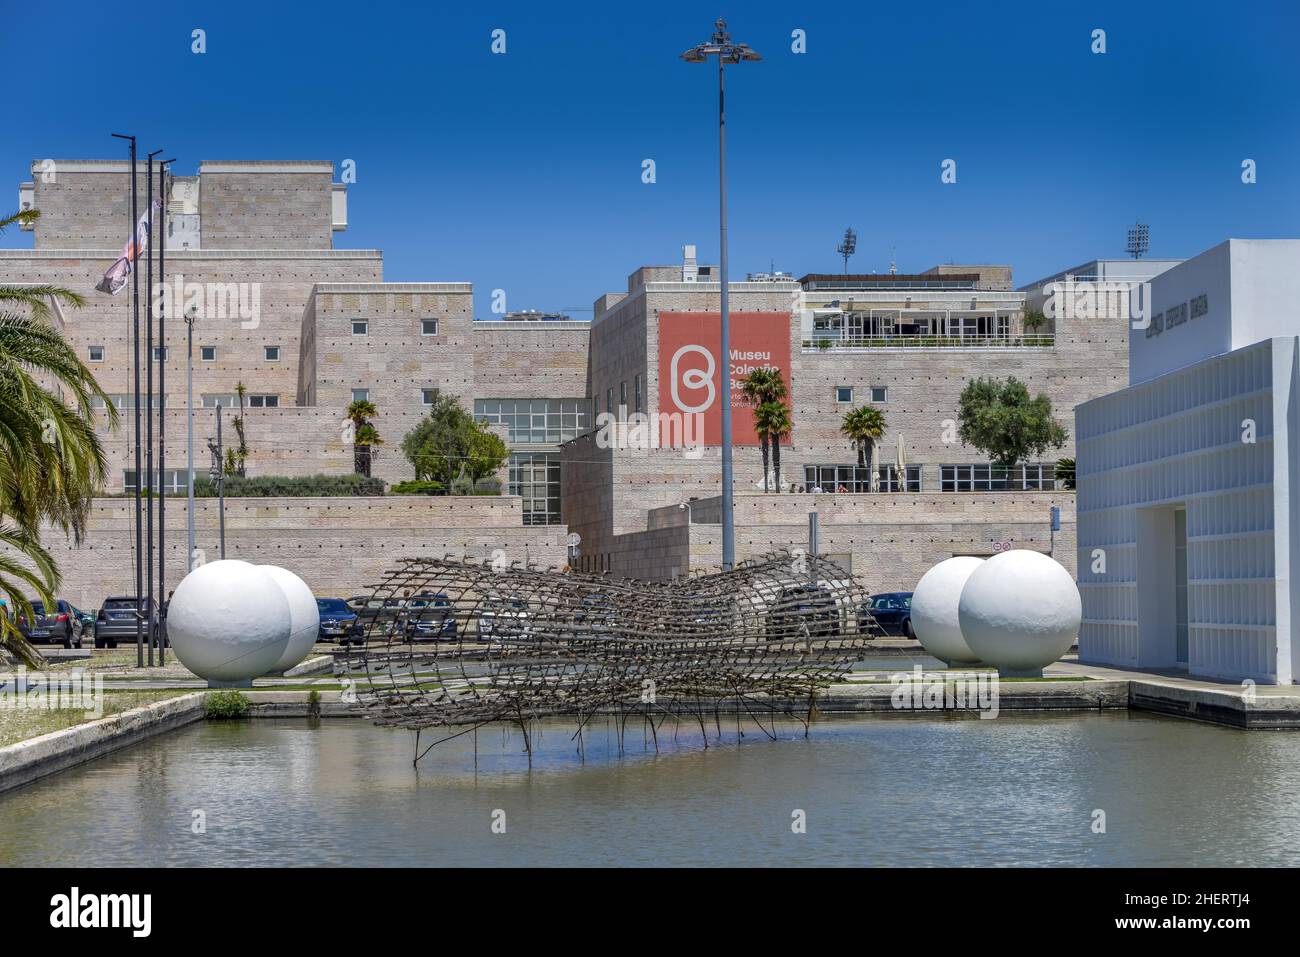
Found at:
<point>986,478</point>
<point>535,421</point>
<point>853,478</point>
<point>173,481</point>
<point>535,477</point>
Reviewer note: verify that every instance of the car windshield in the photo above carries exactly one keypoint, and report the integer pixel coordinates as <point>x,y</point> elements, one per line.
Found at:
<point>38,607</point>
<point>120,604</point>
<point>333,606</point>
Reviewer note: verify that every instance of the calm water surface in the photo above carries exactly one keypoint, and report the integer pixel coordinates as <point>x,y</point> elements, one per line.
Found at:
<point>876,791</point>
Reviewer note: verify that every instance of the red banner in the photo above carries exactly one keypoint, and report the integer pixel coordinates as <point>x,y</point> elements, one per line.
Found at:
<point>690,373</point>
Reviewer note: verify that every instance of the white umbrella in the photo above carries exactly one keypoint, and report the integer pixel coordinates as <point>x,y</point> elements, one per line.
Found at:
<point>901,464</point>
<point>875,467</point>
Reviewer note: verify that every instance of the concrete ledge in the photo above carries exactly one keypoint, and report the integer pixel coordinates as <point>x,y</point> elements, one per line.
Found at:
<point>296,704</point>
<point>317,665</point>
<point>1091,695</point>
<point>35,758</point>
<point>1216,706</point>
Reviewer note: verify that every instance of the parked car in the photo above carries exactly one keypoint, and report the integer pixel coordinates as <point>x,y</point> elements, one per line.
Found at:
<point>892,612</point>
<point>503,618</point>
<point>804,606</point>
<point>430,617</point>
<point>117,618</point>
<point>338,622</point>
<point>58,625</point>
<point>87,619</point>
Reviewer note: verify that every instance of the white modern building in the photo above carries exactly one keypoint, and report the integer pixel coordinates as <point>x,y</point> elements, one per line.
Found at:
<point>1188,508</point>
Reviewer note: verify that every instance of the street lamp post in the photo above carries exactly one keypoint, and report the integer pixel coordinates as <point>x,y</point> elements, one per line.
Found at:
<point>721,46</point>
<point>189,440</point>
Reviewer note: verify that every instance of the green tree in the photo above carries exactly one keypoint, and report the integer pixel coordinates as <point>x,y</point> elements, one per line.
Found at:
<point>1005,423</point>
<point>864,427</point>
<point>51,460</point>
<point>772,420</point>
<point>759,387</point>
<point>364,434</point>
<point>449,441</point>
<point>238,456</point>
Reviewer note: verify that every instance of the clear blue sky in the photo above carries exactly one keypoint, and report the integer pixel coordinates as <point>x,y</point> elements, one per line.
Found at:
<point>523,171</point>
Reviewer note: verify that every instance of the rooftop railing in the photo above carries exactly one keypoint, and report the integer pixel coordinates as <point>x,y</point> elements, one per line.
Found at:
<point>877,343</point>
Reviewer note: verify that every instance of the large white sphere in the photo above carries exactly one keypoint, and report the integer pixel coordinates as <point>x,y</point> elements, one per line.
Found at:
<point>1020,611</point>
<point>229,621</point>
<point>303,614</point>
<point>934,610</point>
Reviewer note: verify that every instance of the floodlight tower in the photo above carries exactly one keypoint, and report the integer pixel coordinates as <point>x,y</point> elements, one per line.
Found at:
<point>848,247</point>
<point>1139,240</point>
<point>727,51</point>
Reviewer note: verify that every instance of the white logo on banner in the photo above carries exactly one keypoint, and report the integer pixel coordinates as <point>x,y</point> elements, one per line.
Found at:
<point>692,379</point>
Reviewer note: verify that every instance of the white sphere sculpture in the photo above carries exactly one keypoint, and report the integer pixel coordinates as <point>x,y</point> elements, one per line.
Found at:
<point>303,614</point>
<point>934,610</point>
<point>1020,611</point>
<point>229,622</point>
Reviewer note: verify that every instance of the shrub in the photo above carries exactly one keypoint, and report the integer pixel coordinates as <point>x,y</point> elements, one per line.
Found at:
<point>487,486</point>
<point>416,488</point>
<point>224,705</point>
<point>290,486</point>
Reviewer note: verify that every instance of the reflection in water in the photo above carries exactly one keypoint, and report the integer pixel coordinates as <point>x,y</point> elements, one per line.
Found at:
<point>884,791</point>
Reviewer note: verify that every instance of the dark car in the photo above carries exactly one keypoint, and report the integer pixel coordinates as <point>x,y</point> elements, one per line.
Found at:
<point>892,612</point>
<point>430,617</point>
<point>338,622</point>
<point>117,618</point>
<point>61,624</point>
<point>804,610</point>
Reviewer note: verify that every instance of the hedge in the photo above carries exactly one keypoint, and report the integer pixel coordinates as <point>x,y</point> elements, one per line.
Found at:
<point>266,486</point>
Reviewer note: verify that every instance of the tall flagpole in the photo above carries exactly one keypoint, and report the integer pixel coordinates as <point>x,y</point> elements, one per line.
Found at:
<point>134,262</point>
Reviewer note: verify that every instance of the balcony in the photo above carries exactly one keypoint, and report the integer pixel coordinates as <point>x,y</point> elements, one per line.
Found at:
<point>899,343</point>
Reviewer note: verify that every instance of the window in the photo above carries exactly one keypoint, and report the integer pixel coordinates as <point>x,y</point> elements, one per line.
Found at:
<point>272,353</point>
<point>609,401</point>
<point>360,327</point>
<point>879,393</point>
<point>208,353</point>
<point>159,353</point>
<point>96,353</point>
<point>426,396</point>
<point>855,478</point>
<point>636,389</point>
<point>843,393</point>
<point>535,477</point>
<point>172,481</point>
<point>622,394</point>
<point>428,327</point>
<point>535,421</point>
<point>360,395</point>
<point>985,478</point>
<point>124,401</point>
<point>230,400</point>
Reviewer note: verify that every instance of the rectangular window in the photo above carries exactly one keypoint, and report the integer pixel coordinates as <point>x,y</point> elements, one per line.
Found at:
<point>428,327</point>
<point>535,477</point>
<point>854,478</point>
<point>982,477</point>
<point>360,327</point>
<point>879,393</point>
<point>622,394</point>
<point>535,421</point>
<point>172,481</point>
<point>609,401</point>
<point>126,401</point>
<point>208,353</point>
<point>263,401</point>
<point>159,353</point>
<point>272,353</point>
<point>230,400</point>
<point>426,396</point>
<point>360,395</point>
<point>96,353</point>
<point>637,391</point>
<point>843,393</point>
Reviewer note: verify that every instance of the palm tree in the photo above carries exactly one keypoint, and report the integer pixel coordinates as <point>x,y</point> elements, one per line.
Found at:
<point>364,434</point>
<point>772,422</point>
<point>864,426</point>
<point>760,386</point>
<point>51,461</point>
